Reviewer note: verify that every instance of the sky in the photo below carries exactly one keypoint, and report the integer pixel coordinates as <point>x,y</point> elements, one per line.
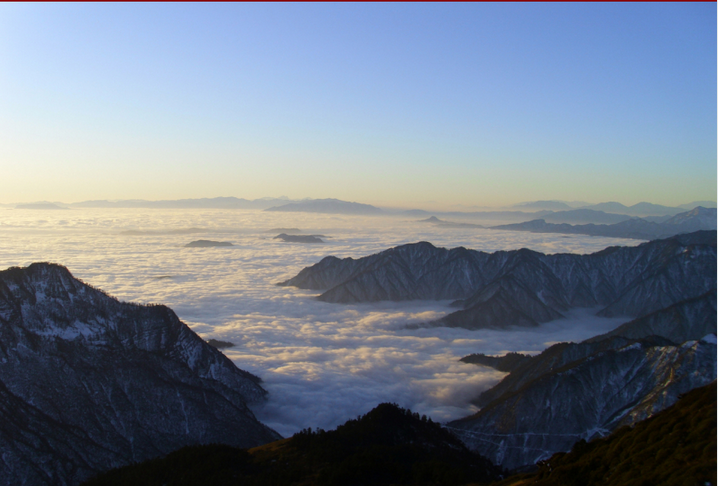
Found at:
<point>410,105</point>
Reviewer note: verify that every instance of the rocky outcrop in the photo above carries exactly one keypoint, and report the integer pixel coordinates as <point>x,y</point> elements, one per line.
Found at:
<point>89,383</point>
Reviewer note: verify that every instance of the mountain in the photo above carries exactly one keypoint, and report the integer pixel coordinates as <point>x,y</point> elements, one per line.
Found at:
<point>674,447</point>
<point>697,219</point>
<point>329,206</point>
<point>387,446</point>
<point>578,216</point>
<point>40,205</point>
<point>89,383</point>
<point>640,209</point>
<point>579,391</point>
<point>586,391</point>
<point>203,203</point>
<point>448,224</point>
<point>687,320</point>
<point>694,204</point>
<point>508,362</point>
<point>207,244</point>
<point>523,287</point>
<point>299,238</point>
<point>549,205</point>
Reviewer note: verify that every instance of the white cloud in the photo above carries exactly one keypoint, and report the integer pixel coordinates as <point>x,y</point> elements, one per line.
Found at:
<point>322,363</point>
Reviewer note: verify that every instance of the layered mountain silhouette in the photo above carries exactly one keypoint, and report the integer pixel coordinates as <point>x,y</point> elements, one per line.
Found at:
<point>88,383</point>
<point>329,206</point>
<point>523,287</point>
<point>207,244</point>
<point>299,238</point>
<point>573,392</point>
<point>697,219</point>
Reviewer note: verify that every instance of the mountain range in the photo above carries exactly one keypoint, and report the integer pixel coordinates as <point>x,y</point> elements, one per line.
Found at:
<point>522,287</point>
<point>328,206</point>
<point>88,383</point>
<point>677,446</point>
<point>573,392</point>
<point>697,219</point>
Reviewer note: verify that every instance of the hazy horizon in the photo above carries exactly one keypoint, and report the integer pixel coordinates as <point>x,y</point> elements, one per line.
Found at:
<point>426,205</point>
<point>395,105</point>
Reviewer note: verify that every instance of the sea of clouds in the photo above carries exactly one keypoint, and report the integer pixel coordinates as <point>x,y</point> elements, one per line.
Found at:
<point>321,363</point>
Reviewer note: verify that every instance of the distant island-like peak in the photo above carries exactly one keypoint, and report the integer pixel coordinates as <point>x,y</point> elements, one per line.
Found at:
<point>207,244</point>
<point>299,238</point>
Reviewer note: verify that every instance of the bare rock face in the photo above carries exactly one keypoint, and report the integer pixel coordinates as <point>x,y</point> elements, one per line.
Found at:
<point>523,287</point>
<point>89,383</point>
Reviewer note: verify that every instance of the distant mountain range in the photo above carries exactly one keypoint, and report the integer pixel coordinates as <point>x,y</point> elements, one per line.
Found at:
<point>573,392</point>
<point>88,383</point>
<point>299,238</point>
<point>551,211</point>
<point>699,218</point>
<point>641,209</point>
<point>448,224</point>
<point>328,206</point>
<point>202,203</point>
<point>523,287</point>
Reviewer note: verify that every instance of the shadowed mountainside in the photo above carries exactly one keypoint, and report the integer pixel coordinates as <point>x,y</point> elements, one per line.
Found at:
<point>675,447</point>
<point>523,287</point>
<point>89,383</point>
<point>574,392</point>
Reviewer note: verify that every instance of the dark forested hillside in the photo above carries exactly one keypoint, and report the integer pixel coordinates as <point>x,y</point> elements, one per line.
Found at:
<point>388,445</point>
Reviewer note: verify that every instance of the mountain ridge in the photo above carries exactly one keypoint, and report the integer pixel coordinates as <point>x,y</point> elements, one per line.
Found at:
<point>529,287</point>
<point>97,383</point>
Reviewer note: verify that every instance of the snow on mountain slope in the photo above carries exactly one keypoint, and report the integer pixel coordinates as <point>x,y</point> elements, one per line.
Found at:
<point>91,383</point>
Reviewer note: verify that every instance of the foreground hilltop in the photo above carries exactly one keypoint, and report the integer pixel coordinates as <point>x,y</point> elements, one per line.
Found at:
<point>387,446</point>
<point>88,383</point>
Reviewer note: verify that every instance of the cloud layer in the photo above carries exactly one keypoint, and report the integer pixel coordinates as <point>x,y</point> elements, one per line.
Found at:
<point>322,363</point>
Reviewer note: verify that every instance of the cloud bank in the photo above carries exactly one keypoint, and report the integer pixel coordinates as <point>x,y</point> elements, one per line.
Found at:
<point>321,363</point>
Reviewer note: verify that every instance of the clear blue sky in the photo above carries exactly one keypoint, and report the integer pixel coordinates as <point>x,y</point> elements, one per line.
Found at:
<point>393,104</point>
